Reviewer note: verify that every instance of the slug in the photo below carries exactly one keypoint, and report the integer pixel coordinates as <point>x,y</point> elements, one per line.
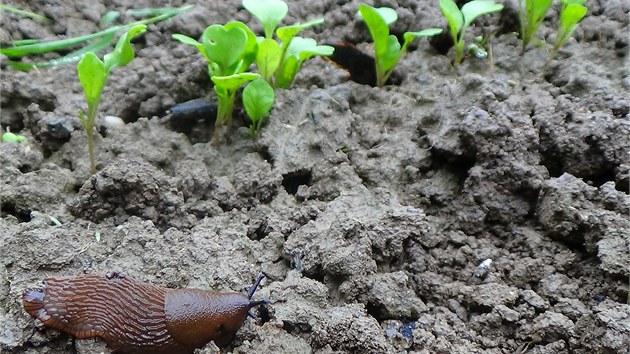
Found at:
<point>137,317</point>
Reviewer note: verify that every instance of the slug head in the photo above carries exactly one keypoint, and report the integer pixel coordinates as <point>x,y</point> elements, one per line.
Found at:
<point>196,317</point>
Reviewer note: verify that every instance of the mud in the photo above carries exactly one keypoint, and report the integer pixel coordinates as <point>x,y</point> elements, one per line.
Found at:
<point>369,209</point>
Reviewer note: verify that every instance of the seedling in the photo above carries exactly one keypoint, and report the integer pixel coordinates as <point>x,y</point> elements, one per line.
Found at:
<point>571,13</point>
<point>258,98</point>
<point>9,137</point>
<point>531,14</point>
<point>459,20</point>
<point>93,74</point>
<point>229,51</point>
<point>278,63</point>
<point>387,49</point>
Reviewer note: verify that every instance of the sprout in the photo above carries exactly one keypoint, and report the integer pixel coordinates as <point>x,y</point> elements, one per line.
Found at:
<point>459,20</point>
<point>387,49</point>
<point>93,74</point>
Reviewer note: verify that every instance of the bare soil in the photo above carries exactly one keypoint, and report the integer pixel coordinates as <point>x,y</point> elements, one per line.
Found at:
<point>370,209</point>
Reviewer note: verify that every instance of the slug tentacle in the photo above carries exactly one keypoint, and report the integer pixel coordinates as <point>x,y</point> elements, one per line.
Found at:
<point>136,317</point>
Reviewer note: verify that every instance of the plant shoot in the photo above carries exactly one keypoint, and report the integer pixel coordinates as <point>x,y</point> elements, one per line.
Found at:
<point>459,20</point>
<point>387,49</point>
<point>229,51</point>
<point>571,13</point>
<point>531,14</point>
<point>93,74</point>
<point>258,98</point>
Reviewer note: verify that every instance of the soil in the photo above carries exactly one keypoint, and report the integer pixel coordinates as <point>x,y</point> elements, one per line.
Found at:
<point>371,210</point>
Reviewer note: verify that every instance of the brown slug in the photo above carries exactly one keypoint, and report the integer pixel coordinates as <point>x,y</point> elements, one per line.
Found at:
<point>137,317</point>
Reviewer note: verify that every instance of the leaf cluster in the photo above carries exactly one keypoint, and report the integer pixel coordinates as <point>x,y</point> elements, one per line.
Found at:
<point>279,62</point>
<point>387,49</point>
<point>459,20</point>
<point>229,50</point>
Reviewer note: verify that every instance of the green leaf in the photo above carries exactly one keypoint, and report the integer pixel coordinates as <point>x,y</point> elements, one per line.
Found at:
<point>258,98</point>
<point>388,14</point>
<point>287,33</point>
<point>379,30</point>
<point>305,48</point>
<point>536,10</point>
<point>476,8</point>
<point>410,36</point>
<point>386,46</point>
<point>287,72</point>
<point>224,46</point>
<point>187,40</point>
<point>268,57</point>
<point>92,74</point>
<point>123,52</point>
<point>453,16</point>
<point>251,47</point>
<point>268,12</point>
<point>570,17</point>
<point>531,17</point>
<point>233,82</point>
<point>388,52</point>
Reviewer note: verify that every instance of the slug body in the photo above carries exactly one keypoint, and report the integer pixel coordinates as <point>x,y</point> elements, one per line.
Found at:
<point>137,317</point>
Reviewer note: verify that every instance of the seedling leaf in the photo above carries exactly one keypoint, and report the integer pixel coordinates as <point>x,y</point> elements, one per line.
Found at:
<point>453,16</point>
<point>123,53</point>
<point>472,10</point>
<point>233,82</point>
<point>187,40</point>
<point>570,17</point>
<point>375,22</point>
<point>258,98</point>
<point>410,36</point>
<point>531,15</point>
<point>251,47</point>
<point>458,21</point>
<point>268,57</point>
<point>388,14</point>
<point>224,46</point>
<point>305,48</point>
<point>268,12</point>
<point>287,33</point>
<point>92,75</point>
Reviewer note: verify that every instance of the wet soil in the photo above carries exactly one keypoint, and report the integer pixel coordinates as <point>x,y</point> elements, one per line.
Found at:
<point>371,210</point>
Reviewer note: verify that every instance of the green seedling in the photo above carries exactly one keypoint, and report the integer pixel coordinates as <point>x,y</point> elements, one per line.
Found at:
<point>571,13</point>
<point>229,51</point>
<point>258,98</point>
<point>278,63</point>
<point>531,14</point>
<point>94,42</point>
<point>387,49</point>
<point>93,73</point>
<point>9,137</point>
<point>459,20</point>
